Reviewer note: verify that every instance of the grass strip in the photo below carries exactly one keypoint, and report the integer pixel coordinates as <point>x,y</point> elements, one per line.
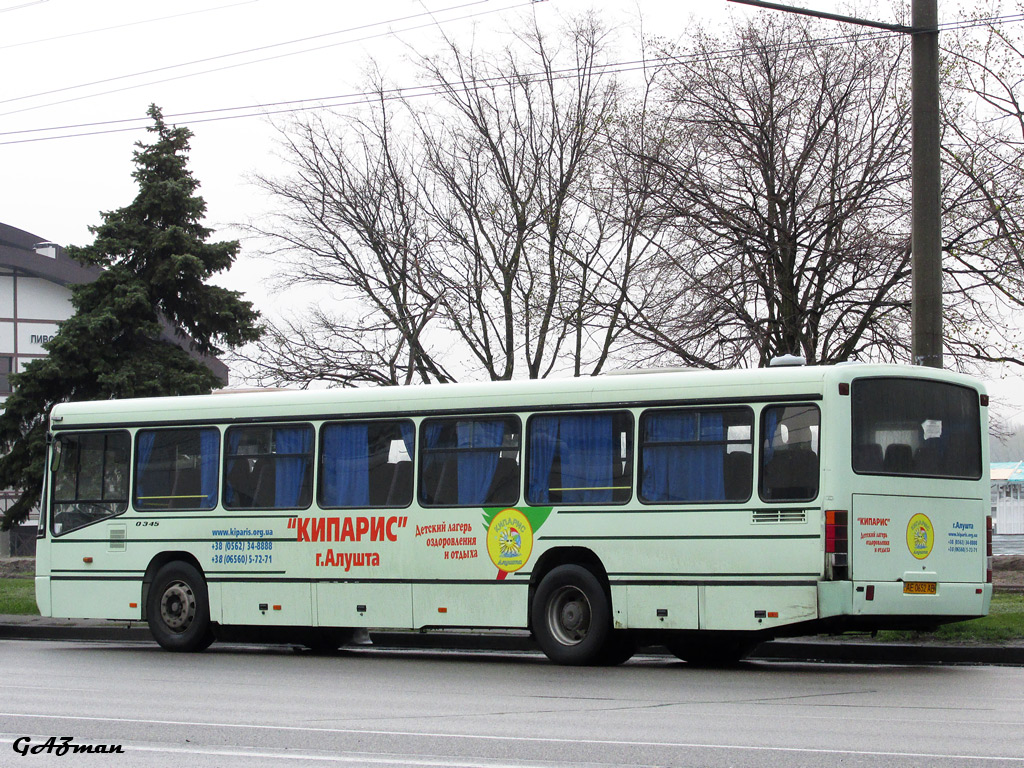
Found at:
<point>1004,623</point>
<point>18,597</point>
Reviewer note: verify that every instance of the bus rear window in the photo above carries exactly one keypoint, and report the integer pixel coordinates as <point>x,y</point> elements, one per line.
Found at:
<point>916,428</point>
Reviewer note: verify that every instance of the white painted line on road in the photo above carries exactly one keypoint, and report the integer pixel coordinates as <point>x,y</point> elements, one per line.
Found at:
<point>535,739</point>
<point>362,758</point>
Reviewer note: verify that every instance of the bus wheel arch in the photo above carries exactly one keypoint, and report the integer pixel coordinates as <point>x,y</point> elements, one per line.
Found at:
<point>571,610</point>
<point>177,603</point>
<point>567,556</point>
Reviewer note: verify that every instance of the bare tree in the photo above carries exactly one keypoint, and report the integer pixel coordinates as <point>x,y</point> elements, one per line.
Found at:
<point>788,186</point>
<point>790,189</point>
<point>983,153</point>
<point>483,219</point>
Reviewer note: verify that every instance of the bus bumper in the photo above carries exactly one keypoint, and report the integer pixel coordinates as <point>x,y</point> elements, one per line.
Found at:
<point>43,595</point>
<point>952,601</point>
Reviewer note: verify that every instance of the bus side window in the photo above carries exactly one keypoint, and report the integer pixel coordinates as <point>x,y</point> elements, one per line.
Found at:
<point>366,464</point>
<point>469,461</point>
<point>90,482</point>
<point>789,453</point>
<point>580,458</point>
<point>280,467</point>
<point>176,468</point>
<point>696,455</point>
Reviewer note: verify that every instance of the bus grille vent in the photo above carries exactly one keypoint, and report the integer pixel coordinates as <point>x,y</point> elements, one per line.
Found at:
<point>780,516</point>
<point>118,541</point>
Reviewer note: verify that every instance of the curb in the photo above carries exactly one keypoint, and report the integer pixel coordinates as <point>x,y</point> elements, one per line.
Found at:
<point>12,628</point>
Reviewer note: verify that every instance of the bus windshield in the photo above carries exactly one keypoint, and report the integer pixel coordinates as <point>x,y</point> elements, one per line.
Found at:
<point>916,428</point>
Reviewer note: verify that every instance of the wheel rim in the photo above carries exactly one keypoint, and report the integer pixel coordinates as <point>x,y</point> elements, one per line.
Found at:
<point>569,615</point>
<point>178,606</point>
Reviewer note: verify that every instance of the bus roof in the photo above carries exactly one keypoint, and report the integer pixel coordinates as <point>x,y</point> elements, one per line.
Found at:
<point>734,385</point>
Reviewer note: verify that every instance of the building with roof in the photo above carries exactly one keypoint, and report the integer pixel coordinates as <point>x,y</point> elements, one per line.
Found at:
<point>35,296</point>
<point>1008,497</point>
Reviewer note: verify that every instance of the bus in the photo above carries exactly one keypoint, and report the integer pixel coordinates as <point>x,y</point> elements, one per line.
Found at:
<point>705,511</point>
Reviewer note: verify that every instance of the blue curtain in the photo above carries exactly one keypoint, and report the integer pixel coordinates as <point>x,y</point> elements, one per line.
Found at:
<point>346,465</point>
<point>234,439</point>
<point>590,449</point>
<point>407,436</point>
<point>543,442</point>
<point>476,467</point>
<point>146,442</point>
<point>674,472</point>
<point>208,439</point>
<point>290,471</point>
<point>771,424</point>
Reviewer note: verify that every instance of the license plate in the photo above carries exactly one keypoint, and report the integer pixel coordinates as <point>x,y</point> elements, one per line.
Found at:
<point>919,587</point>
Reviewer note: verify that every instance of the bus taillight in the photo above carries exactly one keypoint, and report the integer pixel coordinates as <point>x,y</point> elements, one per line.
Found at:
<point>988,549</point>
<point>837,546</point>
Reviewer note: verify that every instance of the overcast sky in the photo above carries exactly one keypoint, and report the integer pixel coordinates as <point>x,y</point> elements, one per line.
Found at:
<point>78,77</point>
<point>72,68</point>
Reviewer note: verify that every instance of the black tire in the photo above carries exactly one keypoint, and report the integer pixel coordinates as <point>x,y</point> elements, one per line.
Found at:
<point>711,652</point>
<point>619,649</point>
<point>178,609</point>
<point>571,616</point>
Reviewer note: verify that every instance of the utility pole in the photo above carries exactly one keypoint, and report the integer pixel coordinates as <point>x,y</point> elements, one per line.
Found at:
<point>926,205</point>
<point>926,174</point>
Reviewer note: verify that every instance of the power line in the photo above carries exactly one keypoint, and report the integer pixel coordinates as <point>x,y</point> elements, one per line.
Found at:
<point>119,26</point>
<point>434,89</point>
<point>267,58</point>
<point>228,55</point>
<point>23,5</point>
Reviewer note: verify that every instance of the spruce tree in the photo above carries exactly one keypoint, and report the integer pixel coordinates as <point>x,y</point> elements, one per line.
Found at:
<point>155,262</point>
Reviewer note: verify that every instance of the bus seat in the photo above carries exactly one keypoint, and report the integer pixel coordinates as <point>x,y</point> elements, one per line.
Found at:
<point>505,483</point>
<point>868,457</point>
<point>266,484</point>
<point>776,474</point>
<point>186,491</point>
<point>241,482</point>
<point>447,490</point>
<point>400,493</point>
<point>380,478</point>
<point>899,458</point>
<point>928,459</point>
<point>803,474</point>
<point>791,474</point>
<point>737,470</point>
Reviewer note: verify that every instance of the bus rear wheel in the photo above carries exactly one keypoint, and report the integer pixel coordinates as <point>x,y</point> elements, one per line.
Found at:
<point>571,616</point>
<point>178,609</point>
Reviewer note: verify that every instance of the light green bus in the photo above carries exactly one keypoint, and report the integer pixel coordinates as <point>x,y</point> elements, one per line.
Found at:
<point>702,510</point>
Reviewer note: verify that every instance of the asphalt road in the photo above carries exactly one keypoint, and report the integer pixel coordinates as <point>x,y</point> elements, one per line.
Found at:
<point>247,706</point>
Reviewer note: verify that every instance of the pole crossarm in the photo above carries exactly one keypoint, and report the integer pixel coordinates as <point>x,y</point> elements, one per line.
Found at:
<point>838,17</point>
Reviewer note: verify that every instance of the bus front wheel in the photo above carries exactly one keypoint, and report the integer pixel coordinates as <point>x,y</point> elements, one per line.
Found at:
<point>178,609</point>
<point>572,616</point>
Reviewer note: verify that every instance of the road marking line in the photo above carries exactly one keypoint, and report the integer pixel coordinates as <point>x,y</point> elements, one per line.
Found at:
<point>535,739</point>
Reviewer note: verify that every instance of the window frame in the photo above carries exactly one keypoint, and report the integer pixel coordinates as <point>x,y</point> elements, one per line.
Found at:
<point>976,423</point>
<point>762,464</point>
<point>53,471</point>
<point>702,409</point>
<point>631,433</point>
<point>226,456</point>
<point>320,455</point>
<point>218,464</point>
<point>424,451</point>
